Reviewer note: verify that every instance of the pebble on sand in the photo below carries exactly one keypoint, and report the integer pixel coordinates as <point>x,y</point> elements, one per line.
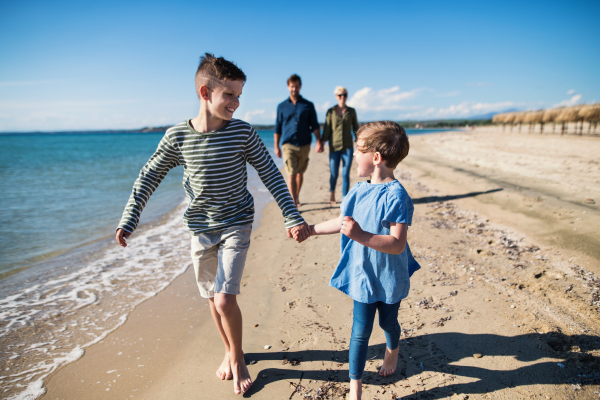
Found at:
<point>477,355</point>
<point>267,347</point>
<point>488,299</point>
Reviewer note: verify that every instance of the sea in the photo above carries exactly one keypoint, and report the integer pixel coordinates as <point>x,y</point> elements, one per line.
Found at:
<point>64,282</point>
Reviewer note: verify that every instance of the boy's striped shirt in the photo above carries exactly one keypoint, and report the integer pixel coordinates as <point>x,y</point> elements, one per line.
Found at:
<point>214,177</point>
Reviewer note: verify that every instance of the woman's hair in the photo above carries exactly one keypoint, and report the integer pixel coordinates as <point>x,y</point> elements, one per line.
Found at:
<point>212,71</point>
<point>386,138</point>
<point>339,90</point>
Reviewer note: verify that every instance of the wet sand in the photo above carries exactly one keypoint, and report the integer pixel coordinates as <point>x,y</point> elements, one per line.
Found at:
<point>506,304</point>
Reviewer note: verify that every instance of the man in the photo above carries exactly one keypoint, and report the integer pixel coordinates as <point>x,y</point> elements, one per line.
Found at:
<point>296,119</point>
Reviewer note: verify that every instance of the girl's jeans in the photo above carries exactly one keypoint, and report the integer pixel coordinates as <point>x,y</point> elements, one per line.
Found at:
<point>334,167</point>
<point>362,325</point>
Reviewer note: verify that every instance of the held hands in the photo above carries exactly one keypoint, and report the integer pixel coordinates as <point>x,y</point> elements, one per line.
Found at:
<point>121,236</point>
<point>351,228</point>
<point>299,232</point>
<point>319,146</point>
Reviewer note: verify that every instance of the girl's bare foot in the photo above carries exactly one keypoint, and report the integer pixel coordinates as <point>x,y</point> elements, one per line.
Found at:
<point>224,371</point>
<point>241,376</point>
<point>390,362</point>
<point>332,198</point>
<point>355,389</point>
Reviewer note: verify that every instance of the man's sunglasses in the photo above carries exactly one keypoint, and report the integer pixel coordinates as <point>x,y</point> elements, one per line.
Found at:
<point>342,95</point>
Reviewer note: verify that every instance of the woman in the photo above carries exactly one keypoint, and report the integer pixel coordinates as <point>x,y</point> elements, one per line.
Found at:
<point>339,123</point>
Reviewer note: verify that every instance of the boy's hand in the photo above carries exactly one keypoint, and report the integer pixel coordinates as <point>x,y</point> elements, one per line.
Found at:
<point>351,228</point>
<point>121,236</point>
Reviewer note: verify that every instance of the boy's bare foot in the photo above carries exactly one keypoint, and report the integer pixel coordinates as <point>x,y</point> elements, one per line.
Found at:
<point>241,376</point>
<point>298,204</point>
<point>332,198</point>
<point>390,362</point>
<point>355,389</point>
<point>224,371</point>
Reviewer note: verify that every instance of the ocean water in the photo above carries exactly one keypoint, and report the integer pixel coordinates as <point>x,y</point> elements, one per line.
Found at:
<point>64,283</point>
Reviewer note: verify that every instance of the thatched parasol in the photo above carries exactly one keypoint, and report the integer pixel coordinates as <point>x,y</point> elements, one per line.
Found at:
<point>509,118</point>
<point>531,119</point>
<point>550,116</point>
<point>590,113</point>
<point>569,114</point>
<point>519,118</point>
<point>498,118</point>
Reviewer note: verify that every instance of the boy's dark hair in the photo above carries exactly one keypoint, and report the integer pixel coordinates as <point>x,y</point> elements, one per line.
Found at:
<point>294,78</point>
<point>212,71</point>
<point>386,137</point>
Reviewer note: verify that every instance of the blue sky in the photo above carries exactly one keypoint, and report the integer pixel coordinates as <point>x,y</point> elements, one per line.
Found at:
<point>120,65</point>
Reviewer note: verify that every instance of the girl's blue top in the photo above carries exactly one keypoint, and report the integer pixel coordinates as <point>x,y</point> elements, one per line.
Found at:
<point>364,274</point>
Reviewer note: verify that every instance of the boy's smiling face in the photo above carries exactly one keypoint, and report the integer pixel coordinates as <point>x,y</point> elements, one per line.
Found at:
<point>224,99</point>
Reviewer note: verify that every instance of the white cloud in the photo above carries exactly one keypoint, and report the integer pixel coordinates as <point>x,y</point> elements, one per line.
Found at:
<point>367,99</point>
<point>462,110</point>
<point>571,91</point>
<point>259,116</point>
<point>570,102</point>
<point>322,107</point>
<point>468,108</point>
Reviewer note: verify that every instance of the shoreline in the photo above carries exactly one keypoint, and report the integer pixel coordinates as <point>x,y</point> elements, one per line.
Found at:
<point>492,284</point>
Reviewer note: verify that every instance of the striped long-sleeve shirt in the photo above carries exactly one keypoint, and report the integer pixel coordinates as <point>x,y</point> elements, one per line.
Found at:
<point>214,178</point>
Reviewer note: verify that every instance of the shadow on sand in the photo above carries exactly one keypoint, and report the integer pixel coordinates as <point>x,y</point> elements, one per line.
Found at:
<point>421,354</point>
<point>433,199</point>
<point>421,200</point>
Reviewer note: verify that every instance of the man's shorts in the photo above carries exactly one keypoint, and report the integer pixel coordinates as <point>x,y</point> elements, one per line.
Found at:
<point>295,158</point>
<point>219,258</point>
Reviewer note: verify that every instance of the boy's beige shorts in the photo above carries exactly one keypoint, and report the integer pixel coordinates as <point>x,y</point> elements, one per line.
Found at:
<point>295,158</point>
<point>219,258</point>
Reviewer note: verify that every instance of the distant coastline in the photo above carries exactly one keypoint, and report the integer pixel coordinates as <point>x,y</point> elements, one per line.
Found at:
<point>430,124</point>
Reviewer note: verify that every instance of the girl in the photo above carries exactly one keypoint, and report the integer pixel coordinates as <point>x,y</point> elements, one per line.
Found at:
<point>376,262</point>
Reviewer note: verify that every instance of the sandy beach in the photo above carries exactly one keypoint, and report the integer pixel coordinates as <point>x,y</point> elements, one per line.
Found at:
<point>506,304</point>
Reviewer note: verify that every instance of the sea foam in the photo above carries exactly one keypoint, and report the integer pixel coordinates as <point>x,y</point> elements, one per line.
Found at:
<point>50,322</point>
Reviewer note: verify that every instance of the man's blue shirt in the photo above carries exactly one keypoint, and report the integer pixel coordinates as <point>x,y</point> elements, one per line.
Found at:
<point>295,123</point>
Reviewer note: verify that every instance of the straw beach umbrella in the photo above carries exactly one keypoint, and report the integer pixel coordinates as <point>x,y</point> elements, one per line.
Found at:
<point>590,113</point>
<point>550,116</point>
<point>499,119</point>
<point>509,118</point>
<point>535,117</point>
<point>569,114</point>
<point>529,118</point>
<point>519,119</point>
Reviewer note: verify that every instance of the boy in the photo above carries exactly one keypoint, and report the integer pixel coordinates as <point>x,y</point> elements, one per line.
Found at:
<point>213,149</point>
